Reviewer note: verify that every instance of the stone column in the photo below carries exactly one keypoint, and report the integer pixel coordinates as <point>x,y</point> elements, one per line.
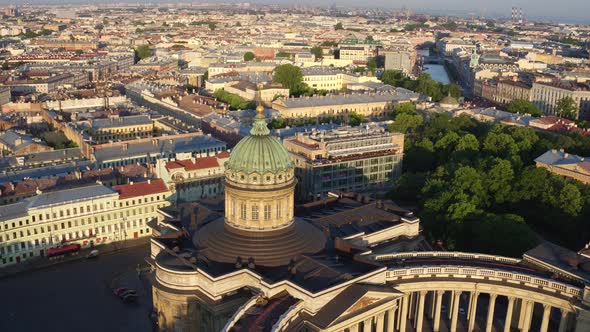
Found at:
<point>451,304</point>
<point>491,305</point>
<point>354,327</point>
<point>420,315</point>
<point>368,325</point>
<point>470,304</point>
<point>509,309</point>
<point>455,314</point>
<point>437,310</point>
<point>404,314</point>
<point>522,314</point>
<point>391,320</point>
<point>545,321</point>
<point>528,316</point>
<point>380,321</point>
<point>563,321</point>
<point>473,308</point>
<point>399,312</point>
<point>432,305</point>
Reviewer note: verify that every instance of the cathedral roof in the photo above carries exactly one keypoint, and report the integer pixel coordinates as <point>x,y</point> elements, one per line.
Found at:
<point>259,152</point>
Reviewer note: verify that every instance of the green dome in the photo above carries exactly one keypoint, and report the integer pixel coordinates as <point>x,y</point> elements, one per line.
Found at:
<point>448,100</point>
<point>259,152</point>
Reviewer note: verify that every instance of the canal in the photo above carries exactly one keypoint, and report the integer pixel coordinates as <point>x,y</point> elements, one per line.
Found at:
<point>436,71</point>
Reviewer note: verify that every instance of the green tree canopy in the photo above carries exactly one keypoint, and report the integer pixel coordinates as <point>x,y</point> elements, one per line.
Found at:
<point>405,122</point>
<point>355,119</point>
<point>523,107</point>
<point>143,51</point>
<point>290,77</point>
<point>566,108</point>
<point>318,52</point>
<point>338,26</point>
<point>249,56</point>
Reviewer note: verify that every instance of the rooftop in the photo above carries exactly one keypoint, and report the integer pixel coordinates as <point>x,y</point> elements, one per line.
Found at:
<point>149,187</point>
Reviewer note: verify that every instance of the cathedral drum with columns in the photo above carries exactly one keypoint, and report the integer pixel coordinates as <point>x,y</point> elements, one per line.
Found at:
<point>348,263</point>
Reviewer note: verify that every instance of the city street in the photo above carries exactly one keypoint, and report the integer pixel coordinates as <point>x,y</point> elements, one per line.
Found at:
<point>77,296</point>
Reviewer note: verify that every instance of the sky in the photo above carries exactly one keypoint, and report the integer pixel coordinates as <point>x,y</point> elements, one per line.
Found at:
<point>571,11</point>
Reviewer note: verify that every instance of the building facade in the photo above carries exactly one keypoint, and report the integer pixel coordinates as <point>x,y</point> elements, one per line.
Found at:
<point>345,160</point>
<point>191,178</point>
<point>341,106</point>
<point>546,96</point>
<point>565,164</point>
<point>122,128</point>
<point>400,59</point>
<point>89,215</point>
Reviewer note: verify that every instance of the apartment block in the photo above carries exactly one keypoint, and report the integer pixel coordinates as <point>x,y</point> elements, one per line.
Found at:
<point>345,160</point>
<point>87,216</point>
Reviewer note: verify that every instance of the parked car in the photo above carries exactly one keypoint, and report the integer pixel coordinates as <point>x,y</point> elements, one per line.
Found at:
<point>93,253</point>
<point>125,294</point>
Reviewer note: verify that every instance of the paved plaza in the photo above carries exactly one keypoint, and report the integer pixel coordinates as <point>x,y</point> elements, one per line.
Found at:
<point>77,296</point>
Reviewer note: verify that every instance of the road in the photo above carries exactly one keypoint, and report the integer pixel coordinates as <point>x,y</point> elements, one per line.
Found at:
<point>76,296</point>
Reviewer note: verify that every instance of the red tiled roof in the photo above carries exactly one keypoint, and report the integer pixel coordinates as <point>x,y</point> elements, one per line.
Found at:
<point>223,155</point>
<point>149,187</point>
<point>200,163</point>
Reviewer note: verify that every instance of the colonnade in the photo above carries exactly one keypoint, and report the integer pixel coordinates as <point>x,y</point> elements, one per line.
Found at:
<point>410,312</point>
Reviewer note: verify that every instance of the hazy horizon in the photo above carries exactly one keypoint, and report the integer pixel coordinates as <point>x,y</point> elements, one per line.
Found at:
<point>568,11</point>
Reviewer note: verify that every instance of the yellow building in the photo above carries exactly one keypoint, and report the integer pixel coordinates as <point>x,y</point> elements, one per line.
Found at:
<point>89,215</point>
<point>123,128</point>
<point>340,106</point>
<point>330,79</point>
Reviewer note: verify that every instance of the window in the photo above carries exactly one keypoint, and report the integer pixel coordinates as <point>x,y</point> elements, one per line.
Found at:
<point>243,211</point>
<point>267,212</point>
<point>278,209</point>
<point>254,212</point>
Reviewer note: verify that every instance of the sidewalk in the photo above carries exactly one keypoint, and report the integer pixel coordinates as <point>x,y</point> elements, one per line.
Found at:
<point>38,263</point>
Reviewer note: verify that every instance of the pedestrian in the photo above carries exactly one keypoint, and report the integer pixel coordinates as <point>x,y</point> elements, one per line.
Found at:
<point>138,271</point>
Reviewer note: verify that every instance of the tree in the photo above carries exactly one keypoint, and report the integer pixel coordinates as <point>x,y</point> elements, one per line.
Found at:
<point>406,108</point>
<point>317,51</point>
<point>79,52</point>
<point>499,180</point>
<point>392,77</point>
<point>453,90</point>
<point>143,51</point>
<point>355,119</point>
<point>450,26</point>
<point>523,107</point>
<point>283,55</point>
<point>290,77</point>
<point>211,26</point>
<point>405,122</point>
<point>566,108</point>
<point>570,199</point>
<point>505,234</point>
<point>372,65</point>
<point>338,26</point>
<point>249,56</point>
